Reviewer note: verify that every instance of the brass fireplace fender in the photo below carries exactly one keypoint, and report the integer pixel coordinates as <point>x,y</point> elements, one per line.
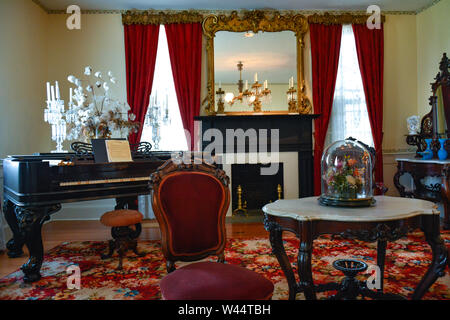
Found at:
<point>257,21</point>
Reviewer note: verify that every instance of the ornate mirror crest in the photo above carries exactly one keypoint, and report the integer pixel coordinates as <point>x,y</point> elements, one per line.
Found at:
<point>256,21</point>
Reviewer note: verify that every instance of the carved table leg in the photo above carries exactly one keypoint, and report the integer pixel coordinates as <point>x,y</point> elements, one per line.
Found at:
<point>276,241</point>
<point>381,255</point>
<point>304,261</point>
<point>15,244</point>
<point>430,226</point>
<point>445,195</point>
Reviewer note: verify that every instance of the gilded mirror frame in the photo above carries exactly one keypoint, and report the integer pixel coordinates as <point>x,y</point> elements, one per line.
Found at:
<point>264,21</point>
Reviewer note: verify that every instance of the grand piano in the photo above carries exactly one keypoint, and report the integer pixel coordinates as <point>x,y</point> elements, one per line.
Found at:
<point>36,185</point>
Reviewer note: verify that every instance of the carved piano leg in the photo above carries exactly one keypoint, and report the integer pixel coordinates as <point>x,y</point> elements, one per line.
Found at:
<point>30,221</point>
<point>15,244</point>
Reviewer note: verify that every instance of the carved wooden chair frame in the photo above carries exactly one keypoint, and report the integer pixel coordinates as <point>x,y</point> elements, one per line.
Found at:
<point>171,168</point>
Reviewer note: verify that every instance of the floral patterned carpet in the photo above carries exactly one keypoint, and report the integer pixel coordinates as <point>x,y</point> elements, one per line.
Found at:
<point>406,261</point>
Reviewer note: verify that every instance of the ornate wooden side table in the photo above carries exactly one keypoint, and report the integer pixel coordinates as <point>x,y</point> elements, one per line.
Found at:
<point>390,219</point>
<point>420,169</point>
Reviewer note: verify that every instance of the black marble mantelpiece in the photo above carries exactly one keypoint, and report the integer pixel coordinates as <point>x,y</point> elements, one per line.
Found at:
<point>295,135</point>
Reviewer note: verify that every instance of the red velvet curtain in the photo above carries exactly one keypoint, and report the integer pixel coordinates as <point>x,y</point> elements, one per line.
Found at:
<point>185,49</point>
<point>325,48</point>
<point>370,49</point>
<point>141,44</point>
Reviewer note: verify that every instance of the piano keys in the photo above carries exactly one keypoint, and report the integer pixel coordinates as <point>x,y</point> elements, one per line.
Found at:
<point>36,185</point>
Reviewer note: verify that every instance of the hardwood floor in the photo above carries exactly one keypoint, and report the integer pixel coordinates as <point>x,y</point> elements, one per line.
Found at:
<point>56,232</point>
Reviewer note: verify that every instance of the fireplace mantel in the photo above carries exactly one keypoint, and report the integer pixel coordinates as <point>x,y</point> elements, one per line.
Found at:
<point>295,134</point>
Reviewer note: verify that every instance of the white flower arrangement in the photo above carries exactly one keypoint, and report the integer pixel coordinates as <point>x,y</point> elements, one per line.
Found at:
<point>93,113</point>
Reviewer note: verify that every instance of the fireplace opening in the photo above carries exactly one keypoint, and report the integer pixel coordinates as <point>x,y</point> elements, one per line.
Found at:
<point>251,190</point>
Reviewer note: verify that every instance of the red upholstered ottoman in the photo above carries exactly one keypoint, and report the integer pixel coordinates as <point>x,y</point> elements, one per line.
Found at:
<point>215,281</point>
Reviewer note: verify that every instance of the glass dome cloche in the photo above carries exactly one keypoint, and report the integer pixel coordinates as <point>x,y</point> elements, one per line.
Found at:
<point>347,175</point>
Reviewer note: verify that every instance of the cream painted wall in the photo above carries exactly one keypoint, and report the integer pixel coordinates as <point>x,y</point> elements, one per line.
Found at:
<point>400,74</point>
<point>433,39</point>
<point>23,65</point>
<point>99,44</point>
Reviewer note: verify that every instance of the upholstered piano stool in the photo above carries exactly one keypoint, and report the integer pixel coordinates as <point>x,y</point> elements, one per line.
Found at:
<point>215,281</point>
<point>125,237</point>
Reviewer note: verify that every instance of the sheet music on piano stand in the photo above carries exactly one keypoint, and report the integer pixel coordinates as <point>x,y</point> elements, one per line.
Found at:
<point>111,150</point>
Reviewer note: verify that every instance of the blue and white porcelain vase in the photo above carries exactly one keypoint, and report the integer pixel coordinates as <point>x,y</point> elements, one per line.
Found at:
<point>442,153</point>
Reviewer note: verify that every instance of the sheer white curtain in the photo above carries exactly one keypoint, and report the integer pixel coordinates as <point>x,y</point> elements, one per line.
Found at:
<point>349,115</point>
<point>172,134</point>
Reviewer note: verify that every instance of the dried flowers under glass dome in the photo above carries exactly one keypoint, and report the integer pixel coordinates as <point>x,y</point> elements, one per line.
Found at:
<point>347,175</point>
<point>93,112</point>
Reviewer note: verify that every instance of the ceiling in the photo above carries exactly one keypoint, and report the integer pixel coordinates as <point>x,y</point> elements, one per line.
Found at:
<point>347,5</point>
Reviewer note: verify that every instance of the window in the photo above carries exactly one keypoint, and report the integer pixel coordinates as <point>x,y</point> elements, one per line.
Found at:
<point>349,117</point>
<point>163,127</point>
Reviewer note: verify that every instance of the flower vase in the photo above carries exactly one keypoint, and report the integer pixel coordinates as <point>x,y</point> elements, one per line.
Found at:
<point>442,153</point>
<point>428,153</point>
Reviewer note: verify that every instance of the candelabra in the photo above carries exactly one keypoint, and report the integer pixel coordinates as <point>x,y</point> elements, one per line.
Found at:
<point>254,97</point>
<point>157,115</point>
<point>220,100</point>
<point>54,114</point>
<point>257,95</point>
<point>292,97</point>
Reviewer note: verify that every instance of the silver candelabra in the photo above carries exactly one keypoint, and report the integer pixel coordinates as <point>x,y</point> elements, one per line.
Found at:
<point>54,114</point>
<point>157,115</point>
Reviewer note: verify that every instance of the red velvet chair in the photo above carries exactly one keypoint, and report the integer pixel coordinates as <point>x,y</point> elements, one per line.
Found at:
<point>190,202</point>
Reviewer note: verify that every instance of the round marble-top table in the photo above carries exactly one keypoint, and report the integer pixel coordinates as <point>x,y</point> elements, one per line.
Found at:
<point>389,219</point>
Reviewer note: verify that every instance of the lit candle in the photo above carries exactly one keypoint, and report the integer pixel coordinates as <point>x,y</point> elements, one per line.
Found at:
<point>246,85</point>
<point>256,77</point>
<point>53,92</point>
<point>265,84</point>
<point>48,91</point>
<point>57,90</point>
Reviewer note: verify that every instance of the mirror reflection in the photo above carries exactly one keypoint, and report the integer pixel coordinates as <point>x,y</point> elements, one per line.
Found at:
<point>254,71</point>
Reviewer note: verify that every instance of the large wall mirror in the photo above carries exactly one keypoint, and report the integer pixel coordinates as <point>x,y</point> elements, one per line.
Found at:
<point>436,123</point>
<point>240,57</point>
<point>256,51</point>
<point>441,98</point>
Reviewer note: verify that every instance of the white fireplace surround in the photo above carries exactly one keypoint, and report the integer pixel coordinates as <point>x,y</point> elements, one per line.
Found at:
<point>290,169</point>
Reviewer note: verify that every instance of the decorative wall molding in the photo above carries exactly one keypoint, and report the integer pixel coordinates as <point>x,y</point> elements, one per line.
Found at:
<point>227,12</point>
